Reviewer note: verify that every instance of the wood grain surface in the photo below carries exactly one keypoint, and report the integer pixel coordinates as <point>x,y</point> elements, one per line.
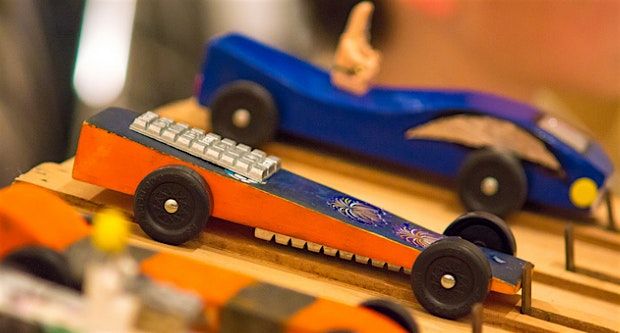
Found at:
<point>563,301</point>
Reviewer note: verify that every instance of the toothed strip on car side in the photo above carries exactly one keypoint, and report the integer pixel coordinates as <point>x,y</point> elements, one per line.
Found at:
<point>330,251</point>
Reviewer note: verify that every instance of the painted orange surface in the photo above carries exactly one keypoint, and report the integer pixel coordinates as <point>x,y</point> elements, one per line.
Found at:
<point>118,163</point>
<point>214,285</point>
<point>324,315</point>
<point>32,215</point>
<point>503,287</point>
<point>217,286</point>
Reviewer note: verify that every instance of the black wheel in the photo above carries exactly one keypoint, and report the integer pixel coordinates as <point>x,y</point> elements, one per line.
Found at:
<point>450,276</point>
<point>492,181</point>
<point>244,111</point>
<point>484,229</point>
<point>41,262</point>
<point>172,204</point>
<point>393,311</point>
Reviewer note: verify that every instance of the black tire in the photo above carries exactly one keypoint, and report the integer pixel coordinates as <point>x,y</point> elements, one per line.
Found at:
<point>42,262</point>
<point>257,101</point>
<point>500,167</point>
<point>193,198</point>
<point>394,312</point>
<point>456,257</point>
<point>484,229</point>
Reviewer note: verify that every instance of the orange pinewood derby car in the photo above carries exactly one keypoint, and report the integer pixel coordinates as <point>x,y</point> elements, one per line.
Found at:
<point>180,176</point>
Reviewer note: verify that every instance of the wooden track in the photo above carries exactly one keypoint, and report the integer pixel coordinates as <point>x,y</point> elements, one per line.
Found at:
<point>562,300</point>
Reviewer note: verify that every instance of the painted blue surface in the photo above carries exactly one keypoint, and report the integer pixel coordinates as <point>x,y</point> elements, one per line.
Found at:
<point>374,124</point>
<point>316,197</point>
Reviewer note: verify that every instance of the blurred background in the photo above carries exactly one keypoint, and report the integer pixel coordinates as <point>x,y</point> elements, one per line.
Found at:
<point>62,61</point>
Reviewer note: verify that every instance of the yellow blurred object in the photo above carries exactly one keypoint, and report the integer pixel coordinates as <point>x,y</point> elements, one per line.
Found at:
<point>110,231</point>
<point>583,192</point>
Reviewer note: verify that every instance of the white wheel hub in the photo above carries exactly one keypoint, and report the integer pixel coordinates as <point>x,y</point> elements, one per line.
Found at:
<point>241,118</point>
<point>171,206</point>
<point>448,281</point>
<point>489,186</point>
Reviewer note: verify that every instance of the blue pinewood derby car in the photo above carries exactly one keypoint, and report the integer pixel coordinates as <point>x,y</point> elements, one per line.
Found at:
<point>500,152</point>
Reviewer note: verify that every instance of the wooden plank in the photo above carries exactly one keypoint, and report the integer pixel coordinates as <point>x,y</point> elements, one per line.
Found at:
<point>237,241</point>
<point>561,296</point>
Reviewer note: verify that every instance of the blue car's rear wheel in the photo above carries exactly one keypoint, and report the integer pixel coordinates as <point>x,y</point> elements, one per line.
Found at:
<point>245,112</point>
<point>492,181</point>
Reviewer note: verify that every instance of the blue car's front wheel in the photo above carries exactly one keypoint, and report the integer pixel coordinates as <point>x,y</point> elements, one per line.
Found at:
<point>493,181</point>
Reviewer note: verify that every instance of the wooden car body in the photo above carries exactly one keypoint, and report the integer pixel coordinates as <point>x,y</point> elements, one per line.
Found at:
<point>113,156</point>
<point>381,124</point>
